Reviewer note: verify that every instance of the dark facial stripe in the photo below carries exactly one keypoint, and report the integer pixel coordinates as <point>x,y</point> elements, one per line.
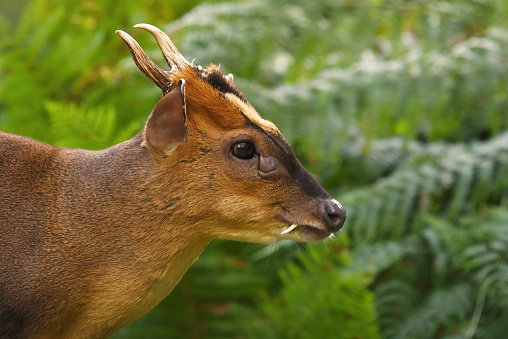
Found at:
<point>287,156</point>
<point>288,159</point>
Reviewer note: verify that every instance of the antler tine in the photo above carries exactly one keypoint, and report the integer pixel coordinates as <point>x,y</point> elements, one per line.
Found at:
<point>173,57</point>
<point>146,66</point>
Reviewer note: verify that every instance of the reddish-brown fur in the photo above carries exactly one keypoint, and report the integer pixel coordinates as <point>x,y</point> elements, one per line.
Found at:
<point>92,240</point>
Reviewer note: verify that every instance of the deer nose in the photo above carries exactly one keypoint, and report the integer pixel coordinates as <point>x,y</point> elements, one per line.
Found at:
<point>334,215</point>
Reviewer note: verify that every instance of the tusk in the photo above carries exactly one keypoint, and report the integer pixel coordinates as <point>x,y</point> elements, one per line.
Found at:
<point>289,229</point>
<point>331,236</point>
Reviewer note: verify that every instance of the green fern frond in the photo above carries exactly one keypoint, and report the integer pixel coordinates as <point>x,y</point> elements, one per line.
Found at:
<point>449,306</point>
<point>320,299</point>
<point>74,126</point>
<point>444,179</point>
<point>394,300</point>
<point>378,257</point>
<point>458,285</point>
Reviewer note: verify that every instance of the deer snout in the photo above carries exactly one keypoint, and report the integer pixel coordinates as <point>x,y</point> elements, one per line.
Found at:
<point>334,215</point>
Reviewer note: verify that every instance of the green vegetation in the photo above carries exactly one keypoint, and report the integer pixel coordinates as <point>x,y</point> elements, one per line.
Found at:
<point>400,109</point>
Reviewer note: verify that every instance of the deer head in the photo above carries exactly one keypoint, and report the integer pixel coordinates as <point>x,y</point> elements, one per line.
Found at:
<point>243,181</point>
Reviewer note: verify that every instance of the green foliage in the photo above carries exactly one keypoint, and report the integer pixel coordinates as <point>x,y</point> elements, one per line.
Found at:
<point>94,128</point>
<point>441,178</point>
<point>320,299</point>
<point>455,280</point>
<point>400,108</point>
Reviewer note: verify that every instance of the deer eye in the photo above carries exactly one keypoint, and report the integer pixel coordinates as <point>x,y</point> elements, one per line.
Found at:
<point>243,150</point>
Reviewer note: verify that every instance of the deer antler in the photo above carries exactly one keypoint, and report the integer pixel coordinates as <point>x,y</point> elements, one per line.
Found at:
<point>173,57</point>
<point>158,76</point>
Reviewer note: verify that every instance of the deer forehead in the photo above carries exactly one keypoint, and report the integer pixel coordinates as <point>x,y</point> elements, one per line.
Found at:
<point>221,104</point>
<point>248,112</point>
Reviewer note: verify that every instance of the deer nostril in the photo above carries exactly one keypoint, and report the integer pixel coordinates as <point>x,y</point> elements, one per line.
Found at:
<point>335,215</point>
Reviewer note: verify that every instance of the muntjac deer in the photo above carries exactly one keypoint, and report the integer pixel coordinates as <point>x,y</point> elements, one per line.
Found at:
<point>92,240</point>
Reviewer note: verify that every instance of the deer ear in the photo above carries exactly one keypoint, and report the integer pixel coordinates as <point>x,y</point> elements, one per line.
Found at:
<point>166,127</point>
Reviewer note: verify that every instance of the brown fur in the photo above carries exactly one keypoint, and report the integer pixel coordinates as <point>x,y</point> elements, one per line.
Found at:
<point>92,240</point>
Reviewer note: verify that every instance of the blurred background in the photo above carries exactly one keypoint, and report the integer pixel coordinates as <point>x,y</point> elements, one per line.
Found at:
<point>399,108</point>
